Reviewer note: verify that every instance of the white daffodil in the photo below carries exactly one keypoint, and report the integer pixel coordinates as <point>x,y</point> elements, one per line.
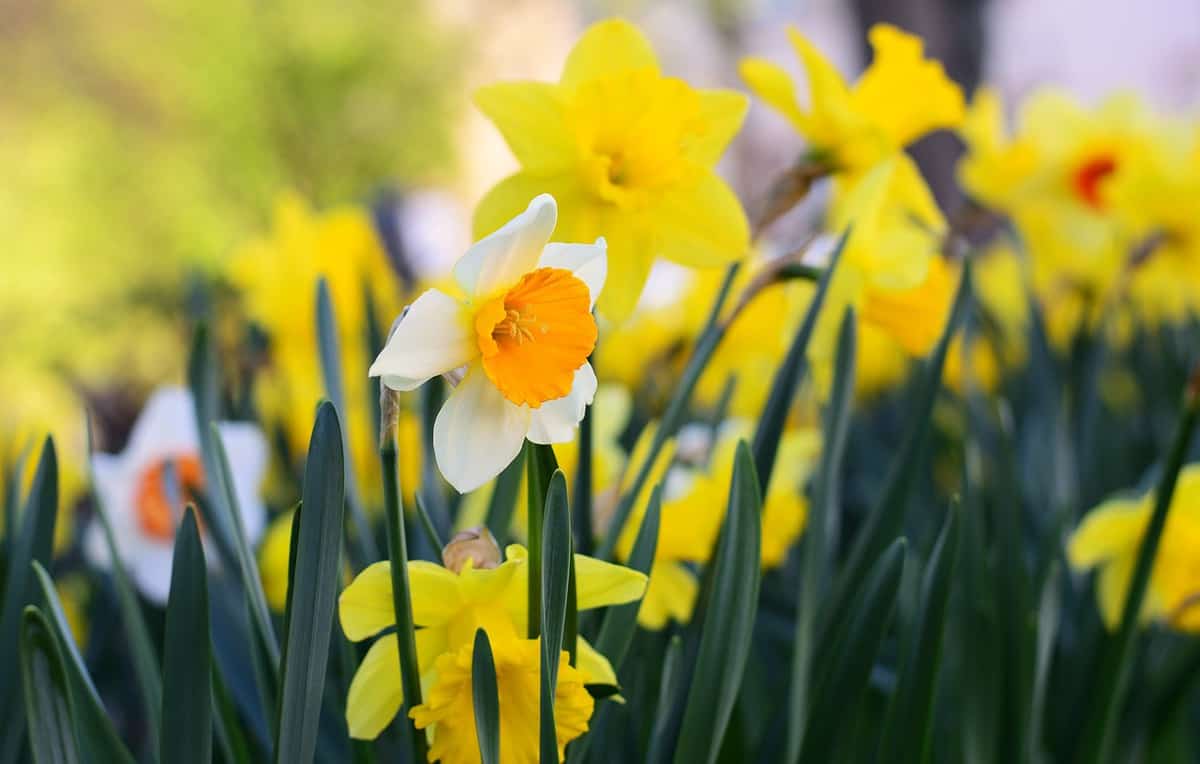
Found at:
<point>145,487</point>
<point>521,335</point>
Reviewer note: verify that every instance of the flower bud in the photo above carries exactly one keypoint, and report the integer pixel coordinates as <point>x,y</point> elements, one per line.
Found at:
<point>476,544</point>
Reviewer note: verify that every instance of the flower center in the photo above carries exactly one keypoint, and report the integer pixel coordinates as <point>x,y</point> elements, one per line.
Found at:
<point>534,337</point>
<point>633,131</point>
<point>1090,175</point>
<point>155,497</point>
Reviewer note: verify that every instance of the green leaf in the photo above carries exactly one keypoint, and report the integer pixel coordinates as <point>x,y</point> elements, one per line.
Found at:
<point>672,419</point>
<point>556,578</point>
<point>187,653</point>
<point>329,349</point>
<point>431,534</point>
<point>397,543</point>
<point>222,513</point>
<point>620,622</point>
<point>728,619</point>
<point>99,741</point>
<point>1049,613</point>
<point>842,680</point>
<point>146,665</point>
<point>787,378</point>
<point>581,489</point>
<point>540,465</point>
<point>1117,666</point>
<point>504,499</point>
<point>907,731</point>
<point>226,724</point>
<point>47,697</point>
<point>887,516</point>
<point>670,685</point>
<point>312,592</point>
<point>486,699</point>
<point>820,536</point>
<point>33,540</point>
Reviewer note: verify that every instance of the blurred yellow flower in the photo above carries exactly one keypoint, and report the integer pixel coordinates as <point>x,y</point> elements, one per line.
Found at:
<point>628,153</point>
<point>277,276</point>
<point>273,558</point>
<point>1109,539</point>
<point>448,606</point>
<point>694,507</point>
<point>449,709</point>
<point>901,96</point>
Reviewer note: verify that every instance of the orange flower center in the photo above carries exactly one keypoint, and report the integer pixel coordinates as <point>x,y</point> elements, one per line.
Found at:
<point>154,504</point>
<point>536,335</point>
<point>1089,177</point>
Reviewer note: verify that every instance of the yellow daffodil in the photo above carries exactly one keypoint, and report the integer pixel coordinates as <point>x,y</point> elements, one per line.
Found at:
<point>450,711</point>
<point>144,488</point>
<point>693,510</point>
<point>520,336</point>
<point>448,606</point>
<point>890,270</point>
<point>1109,539</point>
<point>628,152</point>
<point>273,558</point>
<point>277,277</point>
<point>900,97</point>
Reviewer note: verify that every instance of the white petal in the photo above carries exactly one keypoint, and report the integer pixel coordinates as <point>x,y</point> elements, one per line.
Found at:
<point>477,433</point>
<point>589,262</point>
<point>556,421</point>
<point>500,259</point>
<point>152,572</point>
<point>165,428</point>
<point>246,447</point>
<point>431,339</point>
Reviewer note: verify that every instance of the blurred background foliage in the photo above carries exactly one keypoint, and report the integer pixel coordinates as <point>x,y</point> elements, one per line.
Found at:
<point>141,140</point>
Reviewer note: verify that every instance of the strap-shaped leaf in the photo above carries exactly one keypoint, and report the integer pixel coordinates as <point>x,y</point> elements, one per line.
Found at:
<point>620,621</point>
<point>820,536</point>
<point>187,654</point>
<point>907,733</point>
<point>556,578</point>
<point>312,591</point>
<point>540,464</point>
<point>47,697</point>
<point>503,500</point>
<point>728,619</point>
<point>98,739</point>
<point>787,378</point>
<point>841,681</point>
<point>33,540</point>
<point>486,699</point>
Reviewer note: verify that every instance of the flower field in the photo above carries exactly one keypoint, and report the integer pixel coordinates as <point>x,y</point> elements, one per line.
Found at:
<point>876,474</point>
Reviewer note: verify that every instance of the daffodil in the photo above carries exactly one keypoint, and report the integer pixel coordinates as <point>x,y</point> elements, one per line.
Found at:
<point>693,509</point>
<point>900,97</point>
<point>277,275</point>
<point>628,152</point>
<point>1111,535</point>
<point>520,335</point>
<point>145,486</point>
<point>448,606</point>
<point>450,711</point>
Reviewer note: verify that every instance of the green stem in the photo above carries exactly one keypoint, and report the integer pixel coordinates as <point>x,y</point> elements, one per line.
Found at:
<point>410,674</point>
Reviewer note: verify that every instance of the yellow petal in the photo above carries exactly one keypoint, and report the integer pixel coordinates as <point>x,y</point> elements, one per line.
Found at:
<point>903,93</point>
<point>774,86</point>
<point>599,583</point>
<point>529,115</point>
<point>375,691</point>
<point>671,595</point>
<point>723,112</point>
<point>629,261</point>
<point>830,117</point>
<point>608,47</point>
<point>365,606</point>
<point>702,225</point>
<point>511,196</point>
<point>435,593</point>
<point>1114,529</point>
<point>594,665</point>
